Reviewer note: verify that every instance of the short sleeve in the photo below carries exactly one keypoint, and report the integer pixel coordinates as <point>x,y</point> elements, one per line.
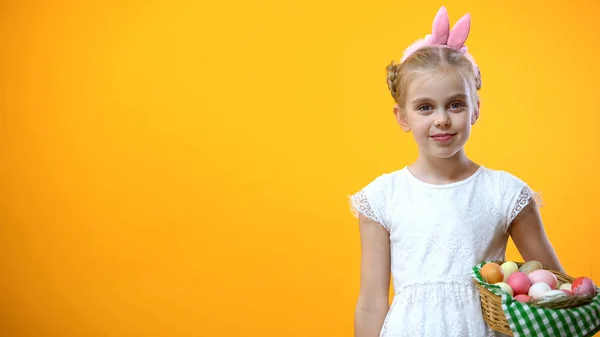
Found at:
<point>516,195</point>
<point>371,201</point>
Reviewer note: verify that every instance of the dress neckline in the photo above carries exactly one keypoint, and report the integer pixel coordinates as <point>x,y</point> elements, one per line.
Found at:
<point>413,178</point>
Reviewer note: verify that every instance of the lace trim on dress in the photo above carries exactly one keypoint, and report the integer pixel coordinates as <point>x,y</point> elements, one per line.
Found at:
<point>360,204</point>
<point>525,197</point>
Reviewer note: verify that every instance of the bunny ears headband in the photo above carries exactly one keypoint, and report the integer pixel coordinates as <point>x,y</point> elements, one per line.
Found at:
<point>442,35</point>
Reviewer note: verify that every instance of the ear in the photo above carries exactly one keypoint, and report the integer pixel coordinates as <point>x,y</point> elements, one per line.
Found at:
<point>401,118</point>
<point>475,116</point>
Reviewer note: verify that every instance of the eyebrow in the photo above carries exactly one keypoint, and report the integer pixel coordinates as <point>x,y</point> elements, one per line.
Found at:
<point>425,99</point>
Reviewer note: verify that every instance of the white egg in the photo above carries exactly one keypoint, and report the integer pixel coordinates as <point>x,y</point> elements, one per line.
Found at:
<point>538,290</point>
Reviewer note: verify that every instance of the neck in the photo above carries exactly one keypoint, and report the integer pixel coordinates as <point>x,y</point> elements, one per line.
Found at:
<point>443,170</point>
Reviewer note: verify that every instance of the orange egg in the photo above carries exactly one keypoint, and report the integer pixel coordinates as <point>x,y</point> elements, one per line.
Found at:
<point>492,273</point>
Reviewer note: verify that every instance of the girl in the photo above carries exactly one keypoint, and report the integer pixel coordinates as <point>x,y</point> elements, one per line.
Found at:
<point>430,222</point>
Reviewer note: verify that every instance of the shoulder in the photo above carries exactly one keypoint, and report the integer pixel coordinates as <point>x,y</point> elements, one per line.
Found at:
<point>507,187</point>
<point>372,200</point>
<point>384,185</point>
<point>504,180</point>
<point>514,193</point>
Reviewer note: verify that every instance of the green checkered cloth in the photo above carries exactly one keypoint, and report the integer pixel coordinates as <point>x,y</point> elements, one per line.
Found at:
<point>528,321</point>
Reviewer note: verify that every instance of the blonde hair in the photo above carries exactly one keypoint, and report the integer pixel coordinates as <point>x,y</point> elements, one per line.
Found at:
<point>425,60</point>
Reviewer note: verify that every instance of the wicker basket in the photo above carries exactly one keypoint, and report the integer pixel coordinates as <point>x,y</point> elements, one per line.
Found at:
<point>491,304</point>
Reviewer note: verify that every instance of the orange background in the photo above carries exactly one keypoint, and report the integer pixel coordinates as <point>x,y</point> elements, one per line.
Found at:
<point>175,168</point>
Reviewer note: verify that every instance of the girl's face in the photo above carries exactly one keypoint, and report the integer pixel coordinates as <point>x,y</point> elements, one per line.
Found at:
<point>439,111</point>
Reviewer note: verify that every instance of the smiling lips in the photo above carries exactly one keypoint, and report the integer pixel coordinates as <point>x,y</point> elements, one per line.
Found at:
<point>443,137</point>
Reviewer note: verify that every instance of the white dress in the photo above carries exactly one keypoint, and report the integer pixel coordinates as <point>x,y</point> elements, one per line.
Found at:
<point>437,234</point>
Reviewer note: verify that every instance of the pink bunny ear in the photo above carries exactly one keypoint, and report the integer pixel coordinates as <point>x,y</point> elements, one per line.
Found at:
<point>460,32</point>
<point>441,27</point>
<point>441,35</point>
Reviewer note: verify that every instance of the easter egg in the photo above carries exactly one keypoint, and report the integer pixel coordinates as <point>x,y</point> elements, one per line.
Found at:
<point>492,273</point>
<point>523,298</point>
<point>566,286</point>
<point>583,286</point>
<point>519,282</point>
<point>530,266</point>
<point>509,268</point>
<point>544,276</point>
<point>505,287</point>
<point>538,290</point>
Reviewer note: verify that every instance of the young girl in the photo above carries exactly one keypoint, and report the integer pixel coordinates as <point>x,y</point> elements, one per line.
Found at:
<point>430,222</point>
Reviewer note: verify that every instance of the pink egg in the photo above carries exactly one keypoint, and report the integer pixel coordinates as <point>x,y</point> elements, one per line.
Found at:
<point>583,286</point>
<point>519,282</point>
<point>523,298</point>
<point>543,276</point>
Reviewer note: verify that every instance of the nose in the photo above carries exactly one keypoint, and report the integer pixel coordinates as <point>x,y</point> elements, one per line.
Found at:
<point>443,120</point>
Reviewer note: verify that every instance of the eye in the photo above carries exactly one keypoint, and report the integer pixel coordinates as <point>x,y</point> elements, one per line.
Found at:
<point>425,108</point>
<point>456,105</point>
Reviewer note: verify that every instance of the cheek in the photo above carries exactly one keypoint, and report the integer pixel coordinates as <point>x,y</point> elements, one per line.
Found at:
<point>417,122</point>
<point>421,127</point>
<point>462,120</point>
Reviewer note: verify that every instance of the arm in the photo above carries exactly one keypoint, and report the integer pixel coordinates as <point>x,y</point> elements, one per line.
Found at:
<point>373,299</point>
<point>529,236</point>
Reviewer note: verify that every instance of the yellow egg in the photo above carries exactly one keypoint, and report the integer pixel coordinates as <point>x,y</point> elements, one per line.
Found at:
<point>509,268</point>
<point>566,286</point>
<point>492,273</point>
<point>506,288</point>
